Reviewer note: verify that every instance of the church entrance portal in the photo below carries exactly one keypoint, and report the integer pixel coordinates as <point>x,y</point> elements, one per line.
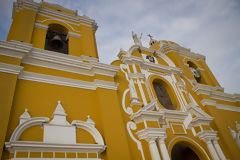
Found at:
<point>183,152</point>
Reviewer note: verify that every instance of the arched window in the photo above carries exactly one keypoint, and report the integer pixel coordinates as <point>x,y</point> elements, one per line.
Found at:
<point>57,39</point>
<point>163,96</point>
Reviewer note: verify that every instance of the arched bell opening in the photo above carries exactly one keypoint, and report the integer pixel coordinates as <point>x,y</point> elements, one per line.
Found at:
<point>57,38</point>
<point>182,151</point>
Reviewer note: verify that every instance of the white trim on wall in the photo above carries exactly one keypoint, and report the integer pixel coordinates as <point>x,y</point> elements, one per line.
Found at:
<point>209,102</point>
<point>9,68</point>
<point>67,81</point>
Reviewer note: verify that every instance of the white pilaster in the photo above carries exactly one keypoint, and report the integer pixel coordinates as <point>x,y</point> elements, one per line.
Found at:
<point>212,150</point>
<point>153,149</point>
<point>163,149</point>
<point>219,150</point>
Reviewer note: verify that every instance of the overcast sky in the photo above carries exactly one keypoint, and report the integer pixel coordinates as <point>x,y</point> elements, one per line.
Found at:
<point>208,27</point>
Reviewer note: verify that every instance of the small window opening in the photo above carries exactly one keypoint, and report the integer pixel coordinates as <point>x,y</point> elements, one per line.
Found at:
<point>57,39</point>
<point>163,96</point>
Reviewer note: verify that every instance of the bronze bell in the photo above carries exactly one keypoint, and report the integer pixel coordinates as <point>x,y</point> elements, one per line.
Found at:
<point>56,42</point>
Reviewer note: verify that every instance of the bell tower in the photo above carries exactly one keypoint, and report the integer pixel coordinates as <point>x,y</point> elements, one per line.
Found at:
<point>52,27</point>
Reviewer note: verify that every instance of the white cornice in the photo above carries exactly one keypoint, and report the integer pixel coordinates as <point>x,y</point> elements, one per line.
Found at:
<point>149,65</point>
<point>215,93</point>
<point>38,7</point>
<point>142,115</point>
<point>228,108</point>
<point>9,68</point>
<point>67,81</point>
<point>207,135</point>
<point>105,84</point>
<point>55,60</point>
<point>208,102</point>
<point>76,35</point>
<point>151,133</point>
<point>183,51</point>
<point>31,146</point>
<point>14,49</point>
<point>28,4</point>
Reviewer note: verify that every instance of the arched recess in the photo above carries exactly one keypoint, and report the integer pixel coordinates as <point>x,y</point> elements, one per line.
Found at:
<point>91,129</point>
<point>169,89</point>
<point>27,124</point>
<point>193,145</point>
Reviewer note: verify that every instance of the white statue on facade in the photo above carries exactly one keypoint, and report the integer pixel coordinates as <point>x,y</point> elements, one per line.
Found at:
<point>235,134</point>
<point>136,39</point>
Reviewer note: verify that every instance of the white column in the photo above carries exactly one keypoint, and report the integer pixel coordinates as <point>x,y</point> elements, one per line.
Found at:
<point>153,150</point>
<point>163,149</point>
<point>212,150</point>
<point>219,150</point>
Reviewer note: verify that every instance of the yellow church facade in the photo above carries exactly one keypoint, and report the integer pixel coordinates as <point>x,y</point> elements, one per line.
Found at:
<point>57,101</point>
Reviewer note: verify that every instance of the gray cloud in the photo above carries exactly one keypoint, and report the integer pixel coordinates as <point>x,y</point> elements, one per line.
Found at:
<point>210,27</point>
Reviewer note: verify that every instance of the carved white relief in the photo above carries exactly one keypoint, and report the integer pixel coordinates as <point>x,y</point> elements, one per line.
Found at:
<point>235,134</point>
<point>132,126</point>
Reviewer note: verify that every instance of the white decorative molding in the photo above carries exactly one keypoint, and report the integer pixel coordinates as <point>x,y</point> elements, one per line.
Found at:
<point>151,133</point>
<point>72,17</point>
<point>38,25</point>
<point>228,108</point>
<point>208,102</point>
<point>132,126</point>
<point>27,124</point>
<point>105,84</point>
<point>54,60</point>
<point>32,146</point>
<point>215,93</point>
<point>181,50</point>
<point>56,80</point>
<point>76,35</point>
<point>10,68</point>
<point>14,49</point>
<point>59,134</point>
<point>207,135</point>
<point>176,124</point>
<point>149,65</point>
<point>67,81</point>
<point>144,115</point>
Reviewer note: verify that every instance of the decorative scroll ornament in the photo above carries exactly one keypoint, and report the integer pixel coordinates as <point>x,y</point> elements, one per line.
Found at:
<point>132,126</point>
